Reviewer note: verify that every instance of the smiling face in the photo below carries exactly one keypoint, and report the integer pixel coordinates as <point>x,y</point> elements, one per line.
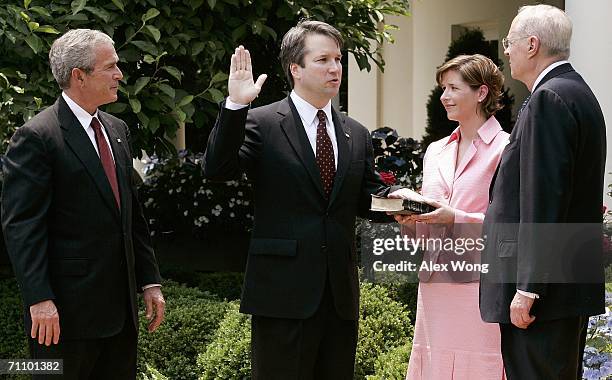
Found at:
<point>101,84</point>
<point>318,79</point>
<point>459,99</point>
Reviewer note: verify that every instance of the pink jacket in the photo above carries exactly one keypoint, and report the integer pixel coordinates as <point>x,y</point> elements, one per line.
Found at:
<point>464,186</point>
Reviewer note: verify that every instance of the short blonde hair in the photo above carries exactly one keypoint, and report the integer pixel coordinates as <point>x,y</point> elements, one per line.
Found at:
<point>477,70</point>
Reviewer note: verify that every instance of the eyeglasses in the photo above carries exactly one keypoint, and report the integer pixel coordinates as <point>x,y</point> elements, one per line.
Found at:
<point>507,42</point>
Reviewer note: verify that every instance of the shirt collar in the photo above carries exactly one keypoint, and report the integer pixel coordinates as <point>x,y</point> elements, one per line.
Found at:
<point>486,132</point>
<point>546,71</point>
<point>307,111</point>
<point>83,116</point>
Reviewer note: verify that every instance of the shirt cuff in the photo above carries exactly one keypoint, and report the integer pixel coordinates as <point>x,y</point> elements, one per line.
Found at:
<point>233,106</point>
<point>528,294</point>
<point>151,286</point>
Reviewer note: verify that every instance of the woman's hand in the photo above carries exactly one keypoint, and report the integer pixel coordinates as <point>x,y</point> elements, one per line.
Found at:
<point>443,214</point>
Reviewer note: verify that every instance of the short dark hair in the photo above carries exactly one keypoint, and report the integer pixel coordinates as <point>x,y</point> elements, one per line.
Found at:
<point>292,47</point>
<point>477,70</point>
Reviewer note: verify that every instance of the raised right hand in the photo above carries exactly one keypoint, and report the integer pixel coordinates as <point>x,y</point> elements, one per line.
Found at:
<point>45,322</point>
<point>242,89</point>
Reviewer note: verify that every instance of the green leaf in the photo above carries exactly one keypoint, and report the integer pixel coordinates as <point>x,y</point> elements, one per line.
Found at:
<point>217,95</point>
<point>77,6</point>
<point>24,16</point>
<point>144,119</point>
<point>77,17</point>
<point>148,58</point>
<point>119,4</point>
<point>186,100</point>
<point>140,83</point>
<point>154,124</point>
<point>47,29</point>
<point>135,104</point>
<point>195,4</point>
<point>145,46</point>
<point>212,3</point>
<point>38,102</point>
<point>116,108</point>
<point>151,14</point>
<point>101,13</point>
<point>155,33</point>
<point>219,77</point>
<point>197,48</point>
<point>26,3</point>
<point>166,89</point>
<point>181,116</point>
<point>34,42</point>
<point>41,11</point>
<point>33,25</point>
<point>173,71</point>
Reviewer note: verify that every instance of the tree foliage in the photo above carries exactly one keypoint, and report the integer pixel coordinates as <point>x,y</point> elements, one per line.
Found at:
<point>174,54</point>
<point>438,125</point>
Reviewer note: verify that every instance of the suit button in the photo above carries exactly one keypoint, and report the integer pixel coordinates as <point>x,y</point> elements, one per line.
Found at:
<point>324,248</point>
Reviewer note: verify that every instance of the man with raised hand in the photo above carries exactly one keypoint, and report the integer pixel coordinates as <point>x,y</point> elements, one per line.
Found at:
<point>313,173</point>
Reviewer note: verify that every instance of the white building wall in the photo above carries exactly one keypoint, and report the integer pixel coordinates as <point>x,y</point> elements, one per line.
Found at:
<point>591,56</point>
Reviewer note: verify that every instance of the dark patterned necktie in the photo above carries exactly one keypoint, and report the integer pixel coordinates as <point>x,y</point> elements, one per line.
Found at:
<point>325,155</point>
<point>107,159</point>
<point>523,106</point>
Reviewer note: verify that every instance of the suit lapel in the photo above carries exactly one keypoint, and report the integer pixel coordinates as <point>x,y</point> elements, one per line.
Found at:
<point>446,163</point>
<point>345,148</point>
<point>296,134</point>
<point>79,142</point>
<point>471,152</point>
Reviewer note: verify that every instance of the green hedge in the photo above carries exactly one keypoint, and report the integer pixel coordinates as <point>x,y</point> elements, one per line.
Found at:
<point>384,325</point>
<point>13,343</point>
<point>393,364</point>
<point>192,317</point>
<point>228,356</point>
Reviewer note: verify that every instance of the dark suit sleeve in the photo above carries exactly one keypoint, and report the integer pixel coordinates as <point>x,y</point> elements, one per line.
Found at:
<point>233,146</point>
<point>26,197</point>
<point>547,148</point>
<point>372,184</point>
<point>145,264</point>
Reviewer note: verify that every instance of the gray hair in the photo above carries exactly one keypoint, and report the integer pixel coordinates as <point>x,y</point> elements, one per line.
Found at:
<point>75,49</point>
<point>551,25</point>
<point>292,47</point>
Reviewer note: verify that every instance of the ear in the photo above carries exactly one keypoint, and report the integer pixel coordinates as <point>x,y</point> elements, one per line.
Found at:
<point>295,71</point>
<point>483,91</point>
<point>534,45</point>
<point>77,76</point>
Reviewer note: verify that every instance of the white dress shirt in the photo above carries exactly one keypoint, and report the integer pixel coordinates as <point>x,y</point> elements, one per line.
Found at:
<point>85,119</point>
<point>308,115</point>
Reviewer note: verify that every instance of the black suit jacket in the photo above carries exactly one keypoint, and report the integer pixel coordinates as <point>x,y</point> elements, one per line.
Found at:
<point>549,185</point>
<point>66,238</point>
<point>298,238</point>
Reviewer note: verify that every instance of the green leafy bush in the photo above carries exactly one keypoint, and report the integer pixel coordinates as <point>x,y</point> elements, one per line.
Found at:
<point>383,325</point>
<point>192,317</point>
<point>393,364</point>
<point>228,355</point>
<point>13,339</point>
<point>174,54</point>
<point>177,197</point>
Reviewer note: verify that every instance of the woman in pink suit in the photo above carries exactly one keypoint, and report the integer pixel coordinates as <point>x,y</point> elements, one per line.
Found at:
<point>450,339</point>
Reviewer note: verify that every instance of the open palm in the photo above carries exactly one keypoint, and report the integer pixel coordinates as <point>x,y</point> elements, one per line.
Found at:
<point>242,89</point>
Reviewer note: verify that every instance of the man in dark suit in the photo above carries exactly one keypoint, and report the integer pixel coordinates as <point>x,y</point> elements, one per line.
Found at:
<point>74,229</point>
<point>543,225</point>
<point>313,173</point>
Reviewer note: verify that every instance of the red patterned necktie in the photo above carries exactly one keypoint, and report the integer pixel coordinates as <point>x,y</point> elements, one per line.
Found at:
<point>107,159</point>
<point>325,155</point>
